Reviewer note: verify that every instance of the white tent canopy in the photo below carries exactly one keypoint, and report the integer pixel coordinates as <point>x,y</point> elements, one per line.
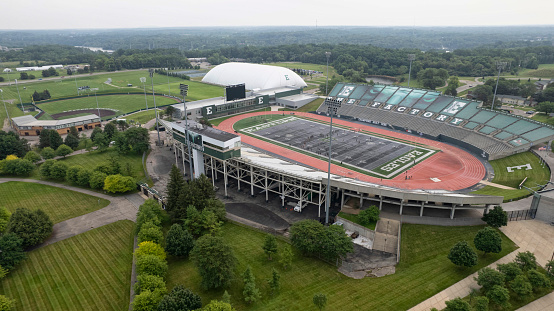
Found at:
<point>254,76</point>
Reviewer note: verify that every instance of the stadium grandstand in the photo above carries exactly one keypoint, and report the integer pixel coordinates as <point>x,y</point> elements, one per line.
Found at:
<point>463,122</point>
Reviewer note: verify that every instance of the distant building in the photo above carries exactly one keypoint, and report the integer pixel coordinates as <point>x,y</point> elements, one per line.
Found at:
<point>513,100</point>
<point>38,68</point>
<point>541,85</point>
<point>7,70</point>
<point>30,126</point>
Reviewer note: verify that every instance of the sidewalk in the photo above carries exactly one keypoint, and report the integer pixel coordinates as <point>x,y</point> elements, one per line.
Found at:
<point>529,235</point>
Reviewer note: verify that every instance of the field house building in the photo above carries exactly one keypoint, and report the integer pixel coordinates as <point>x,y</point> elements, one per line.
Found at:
<point>30,126</point>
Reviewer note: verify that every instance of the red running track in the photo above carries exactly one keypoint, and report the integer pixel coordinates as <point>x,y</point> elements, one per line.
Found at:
<point>455,168</point>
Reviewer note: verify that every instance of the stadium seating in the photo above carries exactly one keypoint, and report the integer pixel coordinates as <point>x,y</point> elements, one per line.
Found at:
<point>434,114</point>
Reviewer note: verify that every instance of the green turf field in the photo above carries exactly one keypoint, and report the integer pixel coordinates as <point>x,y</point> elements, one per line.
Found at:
<point>60,204</point>
<point>537,175</point>
<point>312,106</point>
<point>90,271</point>
<point>13,111</point>
<point>122,103</point>
<point>422,272</point>
<point>544,71</point>
<point>143,116</point>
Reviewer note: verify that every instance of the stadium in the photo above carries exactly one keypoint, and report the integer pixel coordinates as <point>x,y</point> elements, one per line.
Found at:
<point>412,151</point>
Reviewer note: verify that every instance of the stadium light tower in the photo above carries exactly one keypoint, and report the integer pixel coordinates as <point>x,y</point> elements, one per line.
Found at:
<point>184,91</point>
<point>411,58</point>
<point>143,81</point>
<point>332,106</point>
<point>20,101</point>
<point>97,106</point>
<point>151,71</point>
<point>499,66</point>
<point>7,114</point>
<point>327,54</point>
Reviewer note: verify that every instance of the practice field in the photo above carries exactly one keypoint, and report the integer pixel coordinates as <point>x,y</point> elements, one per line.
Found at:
<point>90,271</point>
<point>448,169</point>
<point>423,271</point>
<point>58,203</point>
<point>119,103</point>
<point>377,156</point>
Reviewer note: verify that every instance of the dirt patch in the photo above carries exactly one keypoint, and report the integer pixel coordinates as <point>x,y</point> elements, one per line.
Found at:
<point>103,113</point>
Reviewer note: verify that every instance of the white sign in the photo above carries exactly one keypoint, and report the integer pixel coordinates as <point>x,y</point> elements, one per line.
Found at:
<point>526,166</point>
<point>346,91</point>
<point>403,159</point>
<point>454,108</point>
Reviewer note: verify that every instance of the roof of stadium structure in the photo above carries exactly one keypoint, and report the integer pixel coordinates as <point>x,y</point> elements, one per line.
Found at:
<point>256,77</point>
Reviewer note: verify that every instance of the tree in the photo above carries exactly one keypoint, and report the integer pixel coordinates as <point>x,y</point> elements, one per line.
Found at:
<point>48,153</point>
<point>481,304</point>
<point>432,78</point>
<point>312,238</point>
<point>150,232</point>
<point>55,139</point>
<point>174,188</point>
<point>149,211</point>
<point>151,264</point>
<point>526,260</point>
<point>483,93</point>
<point>215,261</point>
<point>521,286</point>
<point>150,248</point>
<point>63,150</point>
<point>73,173</point>
<point>33,227</point>
<point>215,305</point>
<point>23,76</point>
<point>496,217</point>
<point>147,300</point>
<point>101,141</point>
<point>457,304</point>
<point>550,268</point>
<point>11,143</point>
<point>138,138</point>
<point>97,180</point>
<point>270,245</point>
<point>149,282</point>
<point>169,111</point>
<point>6,304</point>
<point>95,131</point>
<point>488,278</point>
<point>36,96</point>
<point>4,218</point>
<point>286,256</point>
<point>546,107</point>
<point>83,177</point>
<point>274,281</point>
<point>58,170</point>
<point>18,167</point>
<point>251,292</point>
<point>499,295</point>
<point>226,297</point>
<point>32,156</point>
<point>462,254</point>
<point>119,183</point>
<point>538,280</point>
<point>45,168</point>
<point>180,298</point>
<point>120,143</point>
<point>320,300</point>
<point>510,270</point>
<point>109,130</point>
<point>178,242</point>
<point>488,240</point>
<point>369,215</point>
<point>72,141</point>
<point>12,250</point>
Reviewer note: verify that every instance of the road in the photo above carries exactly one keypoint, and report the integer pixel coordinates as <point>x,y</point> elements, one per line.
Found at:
<point>468,84</point>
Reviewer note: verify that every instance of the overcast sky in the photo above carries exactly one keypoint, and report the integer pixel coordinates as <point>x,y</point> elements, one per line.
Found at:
<point>73,14</point>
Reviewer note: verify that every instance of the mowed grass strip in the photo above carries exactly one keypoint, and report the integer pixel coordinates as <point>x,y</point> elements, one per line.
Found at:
<point>60,204</point>
<point>90,271</point>
<point>424,270</point>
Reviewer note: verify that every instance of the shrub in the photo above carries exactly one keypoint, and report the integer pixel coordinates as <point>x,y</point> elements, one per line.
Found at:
<point>149,282</point>
<point>526,260</point>
<point>32,156</point>
<point>151,264</point>
<point>150,248</point>
<point>47,153</point>
<point>462,255</point>
<point>488,278</point>
<point>119,183</point>
<point>4,218</point>
<point>538,280</point>
<point>179,242</point>
<point>58,170</point>
<point>496,217</point>
<point>83,177</point>
<point>96,180</point>
<point>33,227</point>
<point>12,250</point>
<point>180,298</point>
<point>147,300</point>
<point>72,174</point>
<point>499,295</point>
<point>150,232</point>
<point>488,240</point>
<point>369,215</point>
<point>521,286</point>
<point>457,304</point>
<point>45,168</point>
<point>18,167</point>
<point>510,270</point>
<point>63,150</point>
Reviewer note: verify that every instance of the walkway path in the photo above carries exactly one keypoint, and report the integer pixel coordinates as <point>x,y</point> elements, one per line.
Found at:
<point>529,235</point>
<point>120,208</point>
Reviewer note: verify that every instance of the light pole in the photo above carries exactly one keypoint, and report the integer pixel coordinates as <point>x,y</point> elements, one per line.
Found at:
<point>332,106</point>
<point>7,114</point>
<point>97,106</point>
<point>184,91</point>
<point>500,66</point>
<point>168,87</point>
<point>20,101</point>
<point>411,58</point>
<point>327,54</point>
<point>76,87</point>
<point>151,71</point>
<point>143,80</point>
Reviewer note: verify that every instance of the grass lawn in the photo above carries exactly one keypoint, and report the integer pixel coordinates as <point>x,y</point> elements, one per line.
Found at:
<point>13,111</point>
<point>60,204</point>
<point>544,118</point>
<point>197,90</point>
<point>537,175</point>
<point>423,271</point>
<point>143,116</point>
<point>123,103</point>
<point>544,71</point>
<point>312,106</point>
<point>354,219</point>
<point>90,271</point>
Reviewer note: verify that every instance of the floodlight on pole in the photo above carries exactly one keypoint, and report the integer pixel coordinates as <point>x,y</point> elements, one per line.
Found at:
<point>76,87</point>
<point>499,66</point>
<point>20,101</point>
<point>327,54</point>
<point>97,105</point>
<point>7,114</point>
<point>151,71</point>
<point>143,80</point>
<point>332,106</point>
<point>411,58</point>
<point>168,87</point>
<point>184,91</point>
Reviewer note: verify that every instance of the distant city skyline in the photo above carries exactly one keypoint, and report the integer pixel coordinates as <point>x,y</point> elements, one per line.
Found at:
<point>102,14</point>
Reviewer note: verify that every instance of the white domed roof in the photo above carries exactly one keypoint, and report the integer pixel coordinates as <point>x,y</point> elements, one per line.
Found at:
<point>254,76</point>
